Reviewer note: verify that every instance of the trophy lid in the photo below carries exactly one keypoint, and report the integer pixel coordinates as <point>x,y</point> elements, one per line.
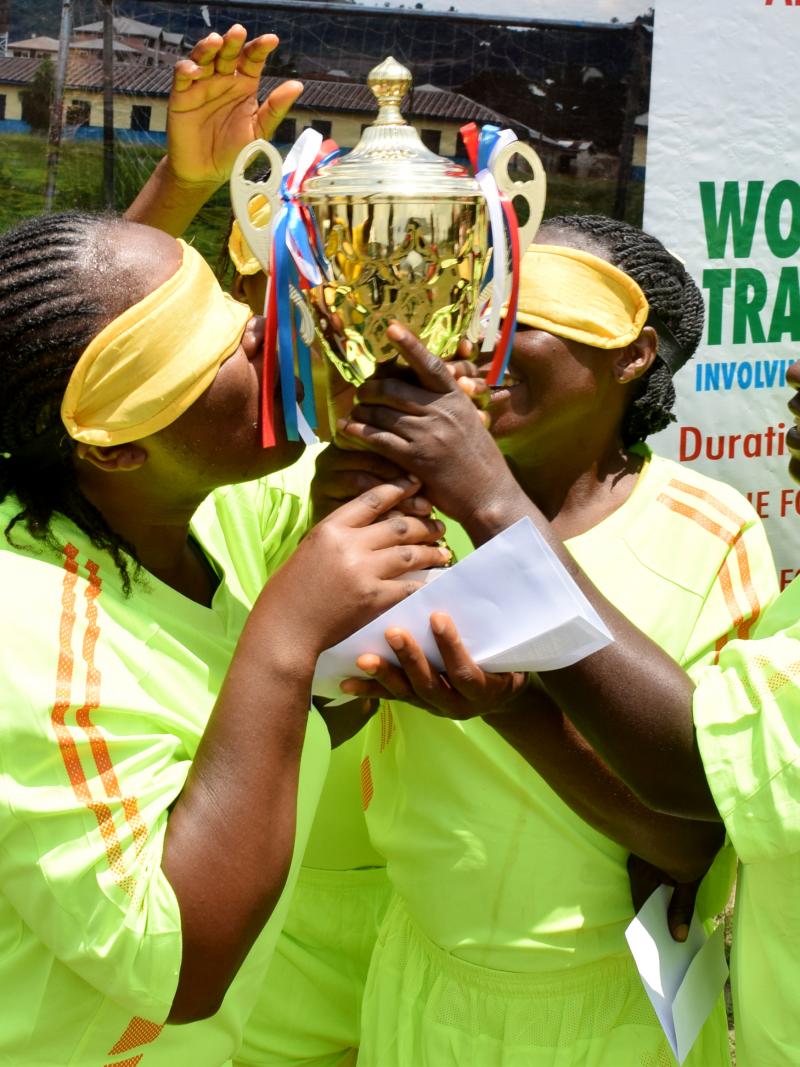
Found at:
<point>390,160</point>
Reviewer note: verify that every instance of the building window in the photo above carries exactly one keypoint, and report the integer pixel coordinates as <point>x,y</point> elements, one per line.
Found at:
<point>431,139</point>
<point>286,132</point>
<point>140,117</point>
<point>78,113</point>
<point>2,106</point>
<point>321,126</point>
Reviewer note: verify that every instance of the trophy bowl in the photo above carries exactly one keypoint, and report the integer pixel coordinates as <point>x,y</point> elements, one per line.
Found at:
<point>405,234</point>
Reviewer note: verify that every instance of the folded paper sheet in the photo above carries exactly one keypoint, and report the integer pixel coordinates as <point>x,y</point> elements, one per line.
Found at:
<point>683,979</point>
<point>513,602</point>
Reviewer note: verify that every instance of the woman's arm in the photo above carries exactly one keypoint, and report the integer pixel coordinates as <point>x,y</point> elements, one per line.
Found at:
<point>528,719</point>
<point>630,700</point>
<point>213,112</point>
<point>230,835</point>
<point>545,737</point>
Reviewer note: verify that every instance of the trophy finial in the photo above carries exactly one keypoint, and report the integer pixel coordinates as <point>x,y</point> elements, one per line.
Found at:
<point>389,82</point>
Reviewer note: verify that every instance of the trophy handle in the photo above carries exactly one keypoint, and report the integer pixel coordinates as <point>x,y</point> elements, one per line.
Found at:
<point>533,191</point>
<point>243,191</point>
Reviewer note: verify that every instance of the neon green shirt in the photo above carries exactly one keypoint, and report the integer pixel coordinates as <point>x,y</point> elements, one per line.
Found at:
<point>492,865</point>
<point>339,840</point>
<point>747,716</point>
<point>102,705</point>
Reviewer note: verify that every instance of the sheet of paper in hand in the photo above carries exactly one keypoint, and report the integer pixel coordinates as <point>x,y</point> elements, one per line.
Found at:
<point>682,979</point>
<point>513,603</point>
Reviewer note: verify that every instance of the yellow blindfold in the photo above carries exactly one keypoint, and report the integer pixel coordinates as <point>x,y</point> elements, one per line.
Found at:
<point>152,362</point>
<point>238,249</point>
<point>573,294</point>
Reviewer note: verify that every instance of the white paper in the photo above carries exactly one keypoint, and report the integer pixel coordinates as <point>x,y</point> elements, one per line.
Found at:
<point>682,979</point>
<point>512,601</point>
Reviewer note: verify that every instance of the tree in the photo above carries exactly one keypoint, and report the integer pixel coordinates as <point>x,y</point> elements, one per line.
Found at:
<point>38,98</point>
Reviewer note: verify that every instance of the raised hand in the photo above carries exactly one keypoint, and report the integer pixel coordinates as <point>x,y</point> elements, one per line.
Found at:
<point>213,113</point>
<point>213,109</point>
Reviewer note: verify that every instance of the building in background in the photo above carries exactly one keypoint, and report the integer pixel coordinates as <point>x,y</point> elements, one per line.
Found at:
<point>154,45</point>
<point>134,42</point>
<point>339,109</point>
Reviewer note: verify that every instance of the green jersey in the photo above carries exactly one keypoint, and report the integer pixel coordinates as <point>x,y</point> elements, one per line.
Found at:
<point>492,866</point>
<point>103,702</point>
<point>747,717</point>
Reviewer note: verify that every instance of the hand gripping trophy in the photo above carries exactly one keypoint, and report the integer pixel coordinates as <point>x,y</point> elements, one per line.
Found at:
<point>390,230</point>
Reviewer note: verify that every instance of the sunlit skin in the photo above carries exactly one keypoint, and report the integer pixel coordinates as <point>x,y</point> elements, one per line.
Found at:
<point>213,113</point>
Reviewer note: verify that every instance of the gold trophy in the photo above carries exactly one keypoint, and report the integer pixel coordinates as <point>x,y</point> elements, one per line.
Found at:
<point>405,234</point>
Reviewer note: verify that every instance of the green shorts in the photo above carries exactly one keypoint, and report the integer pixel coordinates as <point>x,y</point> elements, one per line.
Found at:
<point>424,1007</point>
<point>309,1010</point>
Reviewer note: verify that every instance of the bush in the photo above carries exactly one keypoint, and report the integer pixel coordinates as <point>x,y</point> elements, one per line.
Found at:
<point>38,99</point>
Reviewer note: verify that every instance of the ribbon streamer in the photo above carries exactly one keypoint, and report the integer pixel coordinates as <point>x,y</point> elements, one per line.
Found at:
<point>297,260</point>
<point>483,148</point>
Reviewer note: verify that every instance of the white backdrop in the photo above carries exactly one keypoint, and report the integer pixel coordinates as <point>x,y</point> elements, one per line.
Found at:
<point>723,193</point>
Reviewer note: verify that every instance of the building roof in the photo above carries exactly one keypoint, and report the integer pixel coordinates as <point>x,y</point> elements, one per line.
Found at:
<point>125,28</point>
<point>42,43</point>
<point>134,79</point>
<point>87,74</point>
<point>97,45</point>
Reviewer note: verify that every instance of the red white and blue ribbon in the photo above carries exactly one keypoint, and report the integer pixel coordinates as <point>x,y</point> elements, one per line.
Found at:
<point>297,261</point>
<point>483,146</point>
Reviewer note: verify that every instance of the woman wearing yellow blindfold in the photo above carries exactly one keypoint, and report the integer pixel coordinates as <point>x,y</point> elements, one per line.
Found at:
<point>160,765</point>
<point>505,942</point>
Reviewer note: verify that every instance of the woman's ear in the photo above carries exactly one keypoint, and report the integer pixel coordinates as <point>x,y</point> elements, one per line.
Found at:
<point>112,458</point>
<point>636,358</point>
<point>238,289</point>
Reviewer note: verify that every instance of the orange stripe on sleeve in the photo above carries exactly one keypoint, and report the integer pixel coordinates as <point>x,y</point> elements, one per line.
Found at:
<point>99,747</point>
<point>742,620</point>
<point>697,516</point>
<point>749,589</point>
<point>130,1062</point>
<point>66,743</point>
<point>709,498</point>
<point>726,584</point>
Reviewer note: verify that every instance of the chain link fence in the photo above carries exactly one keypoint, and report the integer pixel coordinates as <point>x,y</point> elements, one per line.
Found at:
<point>577,92</point>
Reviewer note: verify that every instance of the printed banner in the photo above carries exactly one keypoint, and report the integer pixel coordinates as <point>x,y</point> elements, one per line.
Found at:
<point>723,193</point>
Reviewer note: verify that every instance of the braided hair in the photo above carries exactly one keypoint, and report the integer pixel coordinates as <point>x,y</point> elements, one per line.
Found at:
<point>670,292</point>
<point>51,306</point>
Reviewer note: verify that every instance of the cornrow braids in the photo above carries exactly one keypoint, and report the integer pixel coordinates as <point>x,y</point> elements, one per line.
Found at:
<point>671,293</point>
<point>48,315</point>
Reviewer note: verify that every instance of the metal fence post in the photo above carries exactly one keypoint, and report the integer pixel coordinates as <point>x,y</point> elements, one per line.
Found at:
<point>56,111</point>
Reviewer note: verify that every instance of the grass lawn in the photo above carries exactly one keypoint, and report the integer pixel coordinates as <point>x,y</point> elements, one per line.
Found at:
<point>79,186</point>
